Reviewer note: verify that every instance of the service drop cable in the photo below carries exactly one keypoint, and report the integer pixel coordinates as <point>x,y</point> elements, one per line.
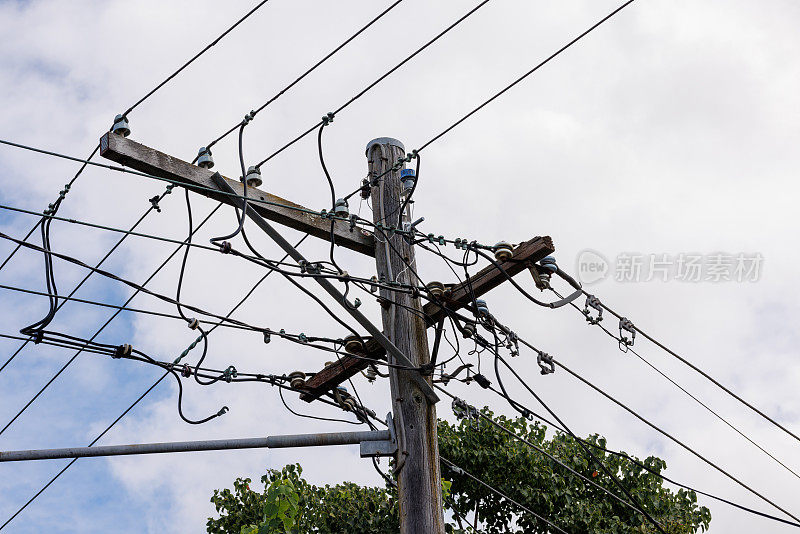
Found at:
<point>88,275</point>
<point>376,82</point>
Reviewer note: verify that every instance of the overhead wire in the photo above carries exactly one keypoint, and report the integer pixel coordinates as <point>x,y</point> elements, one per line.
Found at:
<point>690,395</point>
<point>195,57</point>
<point>648,423</point>
<point>69,362</point>
<point>527,413</point>
<point>308,71</point>
<point>461,471</point>
<point>231,312</point>
<point>377,81</point>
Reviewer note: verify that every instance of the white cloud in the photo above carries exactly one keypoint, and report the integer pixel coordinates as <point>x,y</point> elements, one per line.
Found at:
<point>668,130</point>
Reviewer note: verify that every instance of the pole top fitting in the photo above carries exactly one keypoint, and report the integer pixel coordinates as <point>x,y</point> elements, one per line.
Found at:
<point>385,141</point>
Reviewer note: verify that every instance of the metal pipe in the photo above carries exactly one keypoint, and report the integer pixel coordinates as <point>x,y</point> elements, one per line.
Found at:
<point>269,442</point>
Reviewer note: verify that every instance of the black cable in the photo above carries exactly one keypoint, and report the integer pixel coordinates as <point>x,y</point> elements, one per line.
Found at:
<point>95,440</point>
<point>518,80</point>
<point>239,219</point>
<point>586,450</point>
<point>651,425</point>
<point>327,120</point>
<point>196,56</point>
<point>239,304</point>
<point>67,187</point>
<point>527,412</point>
<point>376,82</point>
<point>703,374</point>
<point>330,419</point>
<point>308,71</point>
<point>113,306</point>
<point>693,397</point>
<point>72,359</point>
<point>461,471</point>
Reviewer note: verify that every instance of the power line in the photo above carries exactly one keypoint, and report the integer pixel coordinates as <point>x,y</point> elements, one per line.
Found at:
<point>95,440</point>
<point>231,312</point>
<point>693,397</point>
<point>528,412</point>
<point>67,187</point>
<point>195,57</point>
<point>376,82</point>
<point>307,72</point>
<point>518,80</point>
<point>654,427</point>
<point>461,471</point>
<point>703,374</point>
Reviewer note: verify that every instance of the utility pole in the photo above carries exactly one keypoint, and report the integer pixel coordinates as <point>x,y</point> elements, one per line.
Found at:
<point>417,467</point>
<point>402,341</point>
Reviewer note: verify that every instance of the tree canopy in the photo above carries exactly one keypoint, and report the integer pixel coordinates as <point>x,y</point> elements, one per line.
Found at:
<point>288,503</point>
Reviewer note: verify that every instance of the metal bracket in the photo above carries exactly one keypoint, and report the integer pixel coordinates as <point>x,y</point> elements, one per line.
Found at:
<point>376,449</point>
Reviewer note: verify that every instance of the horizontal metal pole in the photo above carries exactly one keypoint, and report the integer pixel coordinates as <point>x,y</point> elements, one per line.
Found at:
<point>269,442</point>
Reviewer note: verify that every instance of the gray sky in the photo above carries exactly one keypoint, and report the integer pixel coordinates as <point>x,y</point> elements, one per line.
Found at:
<point>670,130</point>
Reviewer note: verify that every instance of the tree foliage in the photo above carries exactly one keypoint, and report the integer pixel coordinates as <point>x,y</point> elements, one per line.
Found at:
<point>289,504</point>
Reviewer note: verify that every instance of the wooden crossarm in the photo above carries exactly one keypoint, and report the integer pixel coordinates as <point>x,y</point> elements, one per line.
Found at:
<point>274,208</point>
<point>459,296</point>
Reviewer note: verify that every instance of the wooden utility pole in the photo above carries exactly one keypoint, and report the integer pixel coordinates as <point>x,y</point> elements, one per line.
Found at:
<point>418,473</point>
<point>402,341</point>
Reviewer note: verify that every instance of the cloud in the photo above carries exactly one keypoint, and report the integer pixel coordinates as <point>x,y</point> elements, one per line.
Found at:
<point>667,130</point>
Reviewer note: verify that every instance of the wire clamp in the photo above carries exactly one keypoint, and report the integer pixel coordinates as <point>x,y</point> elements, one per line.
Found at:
<point>154,203</point>
<point>193,323</point>
<point>327,118</point>
<point>593,302</point>
<point>229,374</point>
<point>365,190</point>
<point>225,247</point>
<point>546,363</point>
<point>37,337</point>
<point>122,350</point>
<point>462,410</point>
<point>267,336</point>
<point>627,326</point>
<point>482,381</point>
<point>186,371</point>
